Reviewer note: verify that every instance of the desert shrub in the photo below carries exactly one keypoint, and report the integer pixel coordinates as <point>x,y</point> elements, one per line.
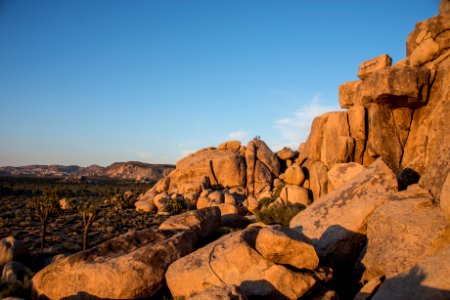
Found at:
<point>266,201</point>
<point>279,214</point>
<point>176,206</point>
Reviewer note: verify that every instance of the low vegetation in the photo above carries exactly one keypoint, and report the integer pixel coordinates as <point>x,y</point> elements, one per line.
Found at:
<point>278,213</point>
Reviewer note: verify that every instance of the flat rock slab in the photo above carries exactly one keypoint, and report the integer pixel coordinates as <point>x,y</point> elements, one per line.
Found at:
<point>428,280</point>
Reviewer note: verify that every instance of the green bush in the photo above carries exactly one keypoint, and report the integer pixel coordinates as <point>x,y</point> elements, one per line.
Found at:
<point>176,206</point>
<point>279,214</point>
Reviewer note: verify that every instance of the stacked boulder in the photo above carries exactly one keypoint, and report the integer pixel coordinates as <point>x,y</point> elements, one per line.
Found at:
<point>231,177</point>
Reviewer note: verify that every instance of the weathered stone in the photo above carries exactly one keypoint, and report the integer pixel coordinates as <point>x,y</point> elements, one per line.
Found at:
<point>202,222</point>
<point>336,223</point>
<point>382,140</point>
<point>402,120</point>
<point>227,292</point>
<point>15,272</point>
<point>215,265</point>
<point>127,267</point>
<point>313,145</point>
<point>286,247</point>
<point>294,175</point>
<point>216,197</point>
<point>434,30</point>
<point>295,194</point>
<point>261,164</point>
<point>427,280</point>
<point>357,124</point>
<point>286,153</point>
<point>367,291</point>
<point>161,201</point>
<point>340,173</point>
<point>445,197</point>
<point>11,249</point>
<point>424,151</point>
<point>145,206</point>
<point>221,167</point>
<point>337,144</point>
<point>229,198</point>
<point>203,202</point>
<point>401,232</point>
<point>368,67</point>
<point>395,86</point>
<point>252,204</point>
<point>316,172</point>
<point>227,209</point>
<point>235,221</point>
<point>347,92</point>
<point>230,145</point>
<point>162,185</point>
<point>424,52</point>
<point>444,7</point>
<point>64,204</point>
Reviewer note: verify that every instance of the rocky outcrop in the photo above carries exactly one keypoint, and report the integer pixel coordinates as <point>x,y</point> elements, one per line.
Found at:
<point>286,247</point>
<point>407,227</point>
<point>340,173</point>
<point>216,265</point>
<point>375,64</point>
<point>127,267</point>
<point>427,280</point>
<point>336,223</point>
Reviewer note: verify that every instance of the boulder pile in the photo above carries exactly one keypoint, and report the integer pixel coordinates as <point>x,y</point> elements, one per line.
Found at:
<point>373,178</point>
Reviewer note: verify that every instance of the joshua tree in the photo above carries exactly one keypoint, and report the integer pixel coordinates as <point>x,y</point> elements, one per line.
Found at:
<point>89,212</point>
<point>45,207</point>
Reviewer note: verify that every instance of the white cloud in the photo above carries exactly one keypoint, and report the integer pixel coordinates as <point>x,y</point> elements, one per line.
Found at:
<point>239,135</point>
<point>186,152</point>
<point>295,129</point>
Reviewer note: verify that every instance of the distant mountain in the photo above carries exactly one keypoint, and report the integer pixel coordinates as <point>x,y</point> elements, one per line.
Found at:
<point>121,170</point>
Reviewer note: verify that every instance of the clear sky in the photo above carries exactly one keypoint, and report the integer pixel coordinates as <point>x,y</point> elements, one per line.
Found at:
<point>90,81</point>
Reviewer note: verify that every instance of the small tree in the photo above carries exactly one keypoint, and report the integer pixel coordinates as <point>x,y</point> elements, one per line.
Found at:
<point>45,207</point>
<point>89,212</point>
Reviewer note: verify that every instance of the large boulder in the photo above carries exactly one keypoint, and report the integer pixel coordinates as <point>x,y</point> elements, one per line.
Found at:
<point>228,292</point>
<point>313,145</point>
<point>424,151</point>
<point>11,249</point>
<point>340,173</point>
<point>427,280</point>
<point>358,128</point>
<point>401,232</point>
<point>293,175</point>
<point>337,144</point>
<point>230,145</point>
<point>286,153</point>
<point>382,138</point>
<point>295,194</point>
<point>286,247</point>
<point>262,166</point>
<point>220,167</point>
<point>316,173</point>
<point>429,40</point>
<point>347,93</point>
<point>336,223</point>
<point>232,260</point>
<point>395,86</point>
<point>368,67</point>
<point>127,267</point>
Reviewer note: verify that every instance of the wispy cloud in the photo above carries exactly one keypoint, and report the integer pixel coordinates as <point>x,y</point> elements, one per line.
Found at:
<point>186,152</point>
<point>147,156</point>
<point>294,129</point>
<point>239,135</point>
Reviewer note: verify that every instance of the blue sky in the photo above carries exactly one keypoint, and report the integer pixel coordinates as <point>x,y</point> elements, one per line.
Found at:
<point>84,82</point>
